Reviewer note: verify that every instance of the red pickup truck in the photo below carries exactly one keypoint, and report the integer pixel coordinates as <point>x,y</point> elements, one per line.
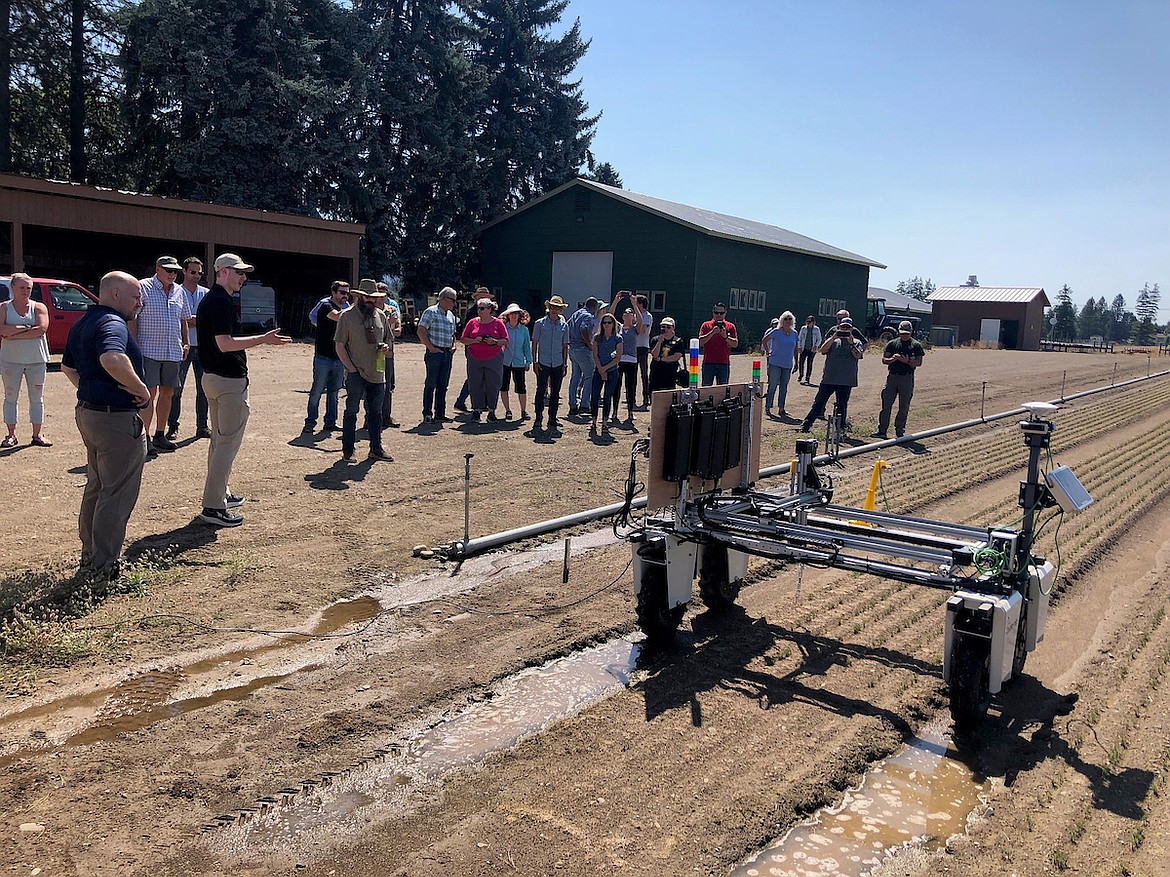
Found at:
<point>64,300</point>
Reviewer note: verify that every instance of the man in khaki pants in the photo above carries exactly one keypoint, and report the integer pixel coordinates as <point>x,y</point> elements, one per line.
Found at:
<point>225,383</point>
<point>103,361</point>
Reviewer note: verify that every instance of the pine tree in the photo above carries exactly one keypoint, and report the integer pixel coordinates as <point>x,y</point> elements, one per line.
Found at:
<point>245,110</point>
<point>1146,311</point>
<point>606,174</point>
<point>535,132</point>
<point>1066,315</point>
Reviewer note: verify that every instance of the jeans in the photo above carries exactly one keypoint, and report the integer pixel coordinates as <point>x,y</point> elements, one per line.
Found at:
<point>716,373</point>
<point>357,390</point>
<point>804,367</point>
<point>548,389</point>
<point>610,382</point>
<point>328,376</point>
<point>628,375</point>
<point>778,378</point>
<point>582,360</point>
<point>34,381</point>
<point>644,371</point>
<point>192,361</point>
<point>438,366</point>
<point>900,387</point>
<point>824,391</point>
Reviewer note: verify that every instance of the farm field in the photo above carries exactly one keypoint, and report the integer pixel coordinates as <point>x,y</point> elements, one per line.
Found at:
<point>126,732</point>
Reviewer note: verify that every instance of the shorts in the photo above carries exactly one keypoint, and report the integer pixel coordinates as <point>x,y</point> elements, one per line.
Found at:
<point>517,376</point>
<point>160,373</point>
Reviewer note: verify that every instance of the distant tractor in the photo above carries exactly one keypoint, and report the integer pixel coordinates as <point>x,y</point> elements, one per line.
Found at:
<point>880,326</point>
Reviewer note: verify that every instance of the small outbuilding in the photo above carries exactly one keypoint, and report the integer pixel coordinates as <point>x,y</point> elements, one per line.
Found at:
<point>1008,317</point>
<point>78,232</point>
<point>587,239</point>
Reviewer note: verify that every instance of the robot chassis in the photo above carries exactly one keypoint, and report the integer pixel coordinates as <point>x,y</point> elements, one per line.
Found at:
<point>999,605</point>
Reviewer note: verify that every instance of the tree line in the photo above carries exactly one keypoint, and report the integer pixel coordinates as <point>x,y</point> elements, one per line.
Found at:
<point>421,118</point>
<point>1111,322</point>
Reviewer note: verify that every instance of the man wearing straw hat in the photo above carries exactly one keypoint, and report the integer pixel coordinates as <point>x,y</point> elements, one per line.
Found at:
<point>363,340</point>
<point>550,356</point>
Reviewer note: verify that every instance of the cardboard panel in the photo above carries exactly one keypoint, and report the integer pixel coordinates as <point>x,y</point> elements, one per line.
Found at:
<point>661,493</point>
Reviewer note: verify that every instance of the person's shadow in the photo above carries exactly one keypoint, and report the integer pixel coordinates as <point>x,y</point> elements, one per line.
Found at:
<point>194,534</point>
<point>339,475</point>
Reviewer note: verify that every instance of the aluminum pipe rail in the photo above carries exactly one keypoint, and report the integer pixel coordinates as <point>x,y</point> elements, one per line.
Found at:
<point>472,547</point>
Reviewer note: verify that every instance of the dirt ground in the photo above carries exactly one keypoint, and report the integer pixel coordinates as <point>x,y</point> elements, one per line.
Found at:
<point>126,730</point>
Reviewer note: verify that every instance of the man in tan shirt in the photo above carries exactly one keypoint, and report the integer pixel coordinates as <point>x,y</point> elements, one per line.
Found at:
<point>363,341</point>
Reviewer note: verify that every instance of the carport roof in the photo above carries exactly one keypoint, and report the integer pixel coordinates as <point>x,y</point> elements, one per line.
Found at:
<point>709,222</point>
<point>1000,294</point>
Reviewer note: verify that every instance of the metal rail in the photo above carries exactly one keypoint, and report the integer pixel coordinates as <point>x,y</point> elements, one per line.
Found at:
<point>472,547</point>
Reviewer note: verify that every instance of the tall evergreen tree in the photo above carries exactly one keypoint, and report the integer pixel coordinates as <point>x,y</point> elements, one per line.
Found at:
<point>535,129</point>
<point>419,190</point>
<point>1146,311</point>
<point>1066,315</point>
<point>245,109</point>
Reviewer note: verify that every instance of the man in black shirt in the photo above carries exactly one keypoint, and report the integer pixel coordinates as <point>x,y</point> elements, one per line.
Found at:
<point>903,355</point>
<point>225,381</point>
<point>328,372</point>
<point>103,362</point>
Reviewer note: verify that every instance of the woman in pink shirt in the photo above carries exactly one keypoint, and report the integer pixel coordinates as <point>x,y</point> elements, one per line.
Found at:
<point>485,336</point>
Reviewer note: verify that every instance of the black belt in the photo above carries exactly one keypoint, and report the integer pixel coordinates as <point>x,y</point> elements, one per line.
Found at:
<point>444,349</point>
<point>109,409</point>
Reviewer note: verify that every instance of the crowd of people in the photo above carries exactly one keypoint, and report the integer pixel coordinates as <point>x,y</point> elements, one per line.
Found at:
<point>131,356</point>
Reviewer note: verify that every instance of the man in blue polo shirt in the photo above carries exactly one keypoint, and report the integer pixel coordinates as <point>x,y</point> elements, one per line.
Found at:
<point>103,361</point>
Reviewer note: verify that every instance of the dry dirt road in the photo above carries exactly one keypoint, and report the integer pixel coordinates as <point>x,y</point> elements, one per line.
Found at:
<point>127,729</point>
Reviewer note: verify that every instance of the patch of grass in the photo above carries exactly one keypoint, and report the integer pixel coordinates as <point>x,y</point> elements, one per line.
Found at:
<point>240,567</point>
<point>1059,859</point>
<point>37,608</point>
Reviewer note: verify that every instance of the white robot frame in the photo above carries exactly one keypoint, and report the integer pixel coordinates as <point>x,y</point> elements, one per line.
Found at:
<point>704,438</point>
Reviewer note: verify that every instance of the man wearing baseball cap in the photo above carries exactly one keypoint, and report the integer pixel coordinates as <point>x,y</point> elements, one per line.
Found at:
<point>225,381</point>
<point>161,332</point>
<point>903,355</point>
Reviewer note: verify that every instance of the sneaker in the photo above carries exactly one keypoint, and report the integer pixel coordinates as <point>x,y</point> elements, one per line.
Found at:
<point>573,412</point>
<point>493,419</point>
<point>172,433</point>
<point>162,443</point>
<point>443,420</point>
<point>804,427</point>
<point>392,424</point>
<point>203,433</point>
<point>507,415</point>
<point>151,452</point>
<point>537,425</point>
<point>307,429</point>
<point>428,419</point>
<point>523,415</point>
<point>331,427</point>
<point>221,518</point>
<point>554,425</point>
<point>233,501</point>
<point>348,457</point>
<point>380,455</point>
<point>459,406</point>
<point>878,435</point>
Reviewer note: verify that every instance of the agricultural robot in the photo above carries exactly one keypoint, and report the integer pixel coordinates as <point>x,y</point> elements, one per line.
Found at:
<point>706,519</point>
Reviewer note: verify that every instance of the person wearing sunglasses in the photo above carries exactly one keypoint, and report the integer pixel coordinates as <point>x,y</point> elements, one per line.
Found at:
<point>161,332</point>
<point>717,338</point>
<point>607,354</point>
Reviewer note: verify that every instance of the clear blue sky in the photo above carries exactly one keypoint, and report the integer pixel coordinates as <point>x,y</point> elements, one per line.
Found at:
<point>1026,142</point>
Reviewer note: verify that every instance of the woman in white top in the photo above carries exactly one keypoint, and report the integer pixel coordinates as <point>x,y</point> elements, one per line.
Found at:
<point>24,355</point>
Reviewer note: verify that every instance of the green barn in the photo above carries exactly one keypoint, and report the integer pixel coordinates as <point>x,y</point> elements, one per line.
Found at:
<point>585,238</point>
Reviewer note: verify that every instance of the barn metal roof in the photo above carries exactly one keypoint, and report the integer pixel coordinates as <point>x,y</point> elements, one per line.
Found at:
<point>1002,294</point>
<point>897,301</point>
<point>708,221</point>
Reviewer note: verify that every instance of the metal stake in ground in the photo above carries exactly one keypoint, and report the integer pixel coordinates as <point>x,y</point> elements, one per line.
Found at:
<point>466,500</point>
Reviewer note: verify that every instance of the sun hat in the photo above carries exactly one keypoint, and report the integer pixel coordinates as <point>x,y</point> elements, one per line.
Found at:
<point>369,288</point>
<point>513,308</point>
<point>556,302</point>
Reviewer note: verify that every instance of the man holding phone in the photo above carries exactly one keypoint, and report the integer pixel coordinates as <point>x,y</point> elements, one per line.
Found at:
<point>717,338</point>
<point>842,352</point>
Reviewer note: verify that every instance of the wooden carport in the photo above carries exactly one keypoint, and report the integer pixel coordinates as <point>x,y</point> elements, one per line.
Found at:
<point>78,232</point>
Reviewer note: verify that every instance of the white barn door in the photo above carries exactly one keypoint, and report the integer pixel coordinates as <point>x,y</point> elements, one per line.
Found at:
<point>578,275</point>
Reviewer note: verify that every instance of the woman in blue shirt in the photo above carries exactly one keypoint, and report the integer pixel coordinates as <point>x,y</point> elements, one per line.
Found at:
<point>607,354</point>
<point>780,346</point>
<point>517,360</point>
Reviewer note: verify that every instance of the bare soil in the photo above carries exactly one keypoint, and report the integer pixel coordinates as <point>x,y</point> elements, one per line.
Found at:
<point>125,731</point>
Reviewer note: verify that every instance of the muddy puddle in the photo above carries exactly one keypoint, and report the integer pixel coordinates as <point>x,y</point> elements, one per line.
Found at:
<point>919,798</point>
<point>146,698</point>
<point>386,783</point>
<point>149,697</point>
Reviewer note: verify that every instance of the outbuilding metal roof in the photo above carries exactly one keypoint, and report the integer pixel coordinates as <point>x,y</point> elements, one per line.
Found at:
<point>897,301</point>
<point>715,224</point>
<point>1002,294</point>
